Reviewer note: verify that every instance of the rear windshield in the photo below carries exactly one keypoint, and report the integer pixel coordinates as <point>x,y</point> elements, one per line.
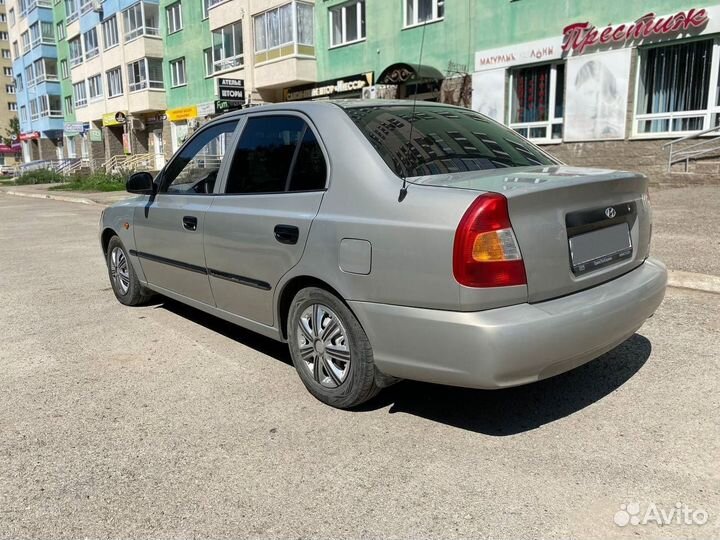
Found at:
<point>444,140</point>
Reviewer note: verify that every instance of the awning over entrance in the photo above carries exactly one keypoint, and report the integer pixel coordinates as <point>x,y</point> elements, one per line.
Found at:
<point>403,73</point>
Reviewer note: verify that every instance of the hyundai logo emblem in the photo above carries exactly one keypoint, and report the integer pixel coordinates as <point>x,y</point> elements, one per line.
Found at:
<point>610,212</point>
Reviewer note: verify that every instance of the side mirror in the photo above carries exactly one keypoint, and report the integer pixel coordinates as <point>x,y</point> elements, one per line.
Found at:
<point>140,183</point>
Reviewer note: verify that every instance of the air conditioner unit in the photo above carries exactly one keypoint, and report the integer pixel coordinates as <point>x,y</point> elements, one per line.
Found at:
<point>97,5</point>
<point>369,92</point>
<point>136,124</point>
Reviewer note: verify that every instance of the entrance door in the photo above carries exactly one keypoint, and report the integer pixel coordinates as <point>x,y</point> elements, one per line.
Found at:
<point>256,232</point>
<point>159,148</point>
<point>169,228</point>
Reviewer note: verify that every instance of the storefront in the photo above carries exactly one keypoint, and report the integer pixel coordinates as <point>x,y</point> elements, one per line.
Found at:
<point>184,120</point>
<point>643,81</point>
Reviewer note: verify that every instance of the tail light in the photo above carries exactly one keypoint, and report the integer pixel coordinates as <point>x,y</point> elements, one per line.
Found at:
<point>486,253</point>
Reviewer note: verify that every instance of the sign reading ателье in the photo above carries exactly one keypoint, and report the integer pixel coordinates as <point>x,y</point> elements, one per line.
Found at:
<point>232,89</point>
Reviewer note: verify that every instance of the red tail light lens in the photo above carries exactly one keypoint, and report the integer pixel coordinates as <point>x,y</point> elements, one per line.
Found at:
<point>486,253</point>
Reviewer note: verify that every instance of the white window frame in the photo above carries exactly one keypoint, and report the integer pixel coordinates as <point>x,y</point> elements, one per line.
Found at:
<point>173,14</point>
<point>224,63</point>
<point>114,81</point>
<point>294,41</point>
<point>145,83</point>
<point>95,87</point>
<point>415,22</point>
<point>94,49</point>
<point>142,29</point>
<point>110,28</point>
<point>75,60</point>
<point>707,114</point>
<point>79,98</point>
<point>178,74</point>
<point>360,7</point>
<point>552,119</point>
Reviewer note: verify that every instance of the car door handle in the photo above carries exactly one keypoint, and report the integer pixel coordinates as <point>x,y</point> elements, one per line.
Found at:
<point>287,234</point>
<point>190,223</point>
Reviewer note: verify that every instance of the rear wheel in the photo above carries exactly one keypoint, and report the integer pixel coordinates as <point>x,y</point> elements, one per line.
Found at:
<point>330,350</point>
<point>124,280</point>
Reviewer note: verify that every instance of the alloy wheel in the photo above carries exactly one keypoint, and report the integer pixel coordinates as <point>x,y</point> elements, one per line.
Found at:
<point>323,343</point>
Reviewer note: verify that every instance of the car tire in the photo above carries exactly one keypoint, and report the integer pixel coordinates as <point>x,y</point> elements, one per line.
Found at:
<point>337,367</point>
<point>124,280</point>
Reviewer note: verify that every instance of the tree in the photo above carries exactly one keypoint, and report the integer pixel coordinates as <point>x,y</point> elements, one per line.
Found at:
<point>13,131</point>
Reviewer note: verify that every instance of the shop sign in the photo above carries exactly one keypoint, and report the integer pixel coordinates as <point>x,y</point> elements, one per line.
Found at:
<point>354,83</point>
<point>154,118</point>
<point>227,105</point>
<point>206,109</point>
<point>182,113</point>
<point>231,89</point>
<point>580,36</point>
<point>523,53</point>
<point>30,136</point>
<point>95,135</point>
<point>75,128</point>
<point>114,118</point>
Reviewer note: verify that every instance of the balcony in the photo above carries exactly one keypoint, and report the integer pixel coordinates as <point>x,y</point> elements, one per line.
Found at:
<point>287,71</point>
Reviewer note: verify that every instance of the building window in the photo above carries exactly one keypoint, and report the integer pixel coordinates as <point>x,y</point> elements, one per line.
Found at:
<point>4,36</point>
<point>76,56</point>
<point>95,87</point>
<point>286,30</point>
<point>60,31</point>
<point>227,49</point>
<point>11,16</point>
<point>177,72</point>
<point>19,82</point>
<point>347,23</point>
<point>423,11</point>
<point>141,20</point>
<point>72,10</point>
<point>64,73</point>
<point>79,94</point>
<point>16,49</point>
<point>145,73</point>
<point>6,53</point>
<point>25,39</point>
<point>206,7</point>
<point>12,106</point>
<point>114,82</point>
<point>675,93</point>
<point>91,44</point>
<point>7,71</point>
<point>110,32</point>
<point>9,88</point>
<point>50,106</point>
<point>174,17</point>
<point>537,101</point>
<point>30,75</point>
<point>42,33</point>
<point>23,114</point>
<point>45,70</point>
<point>68,104</point>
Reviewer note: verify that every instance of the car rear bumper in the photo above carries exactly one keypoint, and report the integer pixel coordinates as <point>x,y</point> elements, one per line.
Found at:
<point>513,345</point>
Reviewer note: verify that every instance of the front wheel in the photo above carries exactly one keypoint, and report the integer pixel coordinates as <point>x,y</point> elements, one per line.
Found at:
<point>124,280</point>
<point>330,350</point>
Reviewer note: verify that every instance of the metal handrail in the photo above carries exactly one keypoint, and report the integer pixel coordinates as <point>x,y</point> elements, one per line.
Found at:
<point>685,154</point>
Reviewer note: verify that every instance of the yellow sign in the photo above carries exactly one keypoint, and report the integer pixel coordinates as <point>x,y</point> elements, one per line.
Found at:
<point>182,113</point>
<point>113,119</point>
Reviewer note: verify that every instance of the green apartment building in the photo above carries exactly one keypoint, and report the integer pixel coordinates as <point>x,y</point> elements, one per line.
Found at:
<point>596,83</point>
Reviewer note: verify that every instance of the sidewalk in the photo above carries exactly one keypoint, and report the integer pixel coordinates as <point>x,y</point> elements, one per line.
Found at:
<point>42,191</point>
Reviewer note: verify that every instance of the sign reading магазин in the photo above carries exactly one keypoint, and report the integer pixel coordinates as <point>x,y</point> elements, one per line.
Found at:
<point>580,36</point>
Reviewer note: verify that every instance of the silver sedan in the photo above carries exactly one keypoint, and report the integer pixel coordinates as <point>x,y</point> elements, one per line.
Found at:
<point>383,241</point>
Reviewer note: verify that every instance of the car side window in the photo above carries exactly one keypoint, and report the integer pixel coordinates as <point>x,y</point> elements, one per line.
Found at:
<point>194,170</point>
<point>276,154</point>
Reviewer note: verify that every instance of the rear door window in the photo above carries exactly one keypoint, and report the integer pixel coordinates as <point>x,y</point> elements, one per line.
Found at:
<point>444,140</point>
<point>276,154</point>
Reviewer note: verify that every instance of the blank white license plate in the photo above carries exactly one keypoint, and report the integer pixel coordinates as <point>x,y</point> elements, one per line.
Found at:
<point>600,248</point>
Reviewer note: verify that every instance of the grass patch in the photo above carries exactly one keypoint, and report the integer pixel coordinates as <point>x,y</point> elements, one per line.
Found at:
<point>97,181</point>
<point>39,176</point>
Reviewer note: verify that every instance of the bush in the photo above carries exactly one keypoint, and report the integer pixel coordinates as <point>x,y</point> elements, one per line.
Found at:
<point>39,176</point>
<point>94,181</point>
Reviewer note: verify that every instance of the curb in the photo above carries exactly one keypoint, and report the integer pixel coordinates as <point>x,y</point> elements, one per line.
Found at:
<point>53,197</point>
<point>695,282</point>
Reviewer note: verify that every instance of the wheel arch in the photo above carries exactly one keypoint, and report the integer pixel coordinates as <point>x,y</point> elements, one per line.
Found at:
<point>105,237</point>
<point>291,288</point>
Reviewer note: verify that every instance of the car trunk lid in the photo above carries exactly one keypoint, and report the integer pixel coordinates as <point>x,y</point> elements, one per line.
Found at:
<point>576,228</point>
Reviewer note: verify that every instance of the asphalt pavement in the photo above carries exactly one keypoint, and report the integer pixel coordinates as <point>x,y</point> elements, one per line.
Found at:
<point>163,422</point>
